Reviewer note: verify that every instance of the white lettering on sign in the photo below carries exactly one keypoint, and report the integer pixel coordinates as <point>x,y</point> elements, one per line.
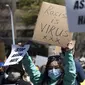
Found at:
<point>17,54</point>
<point>19,49</point>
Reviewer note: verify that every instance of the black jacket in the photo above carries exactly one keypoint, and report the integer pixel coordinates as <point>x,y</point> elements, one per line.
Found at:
<point>19,82</point>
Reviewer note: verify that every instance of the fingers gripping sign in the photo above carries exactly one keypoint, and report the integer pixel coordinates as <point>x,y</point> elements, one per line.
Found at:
<point>71,45</point>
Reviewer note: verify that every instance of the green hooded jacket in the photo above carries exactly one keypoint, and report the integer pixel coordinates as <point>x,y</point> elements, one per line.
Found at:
<point>36,77</point>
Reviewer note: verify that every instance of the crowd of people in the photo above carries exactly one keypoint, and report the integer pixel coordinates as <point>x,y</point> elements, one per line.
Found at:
<point>62,69</point>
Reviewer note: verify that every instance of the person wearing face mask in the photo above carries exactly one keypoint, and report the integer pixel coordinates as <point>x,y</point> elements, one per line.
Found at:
<point>55,73</point>
<point>13,75</point>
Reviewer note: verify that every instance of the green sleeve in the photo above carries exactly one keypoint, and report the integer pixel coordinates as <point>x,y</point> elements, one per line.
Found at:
<point>70,69</point>
<point>31,69</point>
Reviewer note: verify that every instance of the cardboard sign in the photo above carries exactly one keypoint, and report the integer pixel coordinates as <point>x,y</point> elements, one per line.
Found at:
<point>51,26</point>
<point>2,51</point>
<point>16,55</point>
<point>76,15</point>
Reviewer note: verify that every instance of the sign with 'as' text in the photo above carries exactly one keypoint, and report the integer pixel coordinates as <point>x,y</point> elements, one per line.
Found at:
<point>76,15</point>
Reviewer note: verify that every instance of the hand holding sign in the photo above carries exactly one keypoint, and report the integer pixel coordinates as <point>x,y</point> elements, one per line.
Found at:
<point>20,44</point>
<point>71,45</point>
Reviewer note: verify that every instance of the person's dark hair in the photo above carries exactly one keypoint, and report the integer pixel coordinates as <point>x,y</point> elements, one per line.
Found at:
<point>42,68</point>
<point>51,59</point>
<point>17,67</point>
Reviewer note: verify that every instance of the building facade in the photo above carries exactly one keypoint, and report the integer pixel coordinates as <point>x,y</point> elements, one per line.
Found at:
<point>5,19</point>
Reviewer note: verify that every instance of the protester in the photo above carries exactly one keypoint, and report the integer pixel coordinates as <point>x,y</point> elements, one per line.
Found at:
<point>79,70</point>
<point>54,73</point>
<point>14,75</point>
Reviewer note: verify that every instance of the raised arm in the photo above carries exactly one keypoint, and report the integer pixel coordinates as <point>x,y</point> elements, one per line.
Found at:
<point>70,69</point>
<point>30,68</point>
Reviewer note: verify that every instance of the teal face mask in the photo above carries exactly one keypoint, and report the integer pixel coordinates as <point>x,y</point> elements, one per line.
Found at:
<point>54,73</point>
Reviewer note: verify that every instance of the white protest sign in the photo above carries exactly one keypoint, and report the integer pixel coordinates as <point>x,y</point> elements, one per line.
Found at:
<point>41,60</point>
<point>17,54</point>
<point>76,15</point>
<point>51,26</point>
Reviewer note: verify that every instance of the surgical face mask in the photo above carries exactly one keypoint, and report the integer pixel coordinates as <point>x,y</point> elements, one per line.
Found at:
<point>54,73</point>
<point>13,76</point>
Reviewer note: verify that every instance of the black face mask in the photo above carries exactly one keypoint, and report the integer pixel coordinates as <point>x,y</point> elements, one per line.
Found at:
<point>14,76</point>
